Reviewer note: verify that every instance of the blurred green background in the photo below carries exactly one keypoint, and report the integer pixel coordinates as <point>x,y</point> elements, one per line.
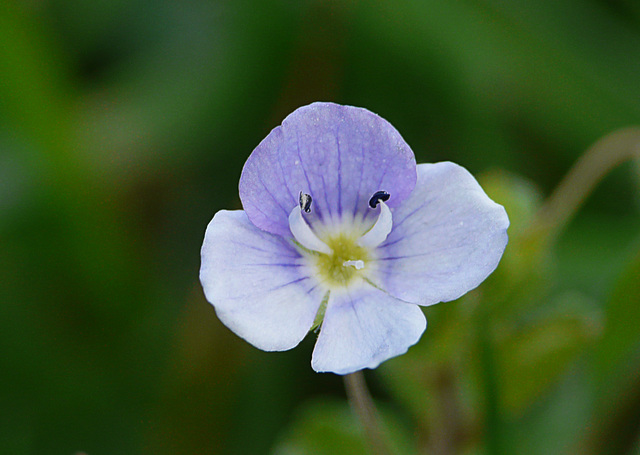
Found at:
<point>124,126</point>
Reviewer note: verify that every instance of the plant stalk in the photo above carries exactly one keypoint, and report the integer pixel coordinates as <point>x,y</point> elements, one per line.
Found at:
<point>602,157</point>
<point>362,403</point>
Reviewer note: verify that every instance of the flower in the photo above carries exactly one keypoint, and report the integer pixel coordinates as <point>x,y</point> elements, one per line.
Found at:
<point>342,232</point>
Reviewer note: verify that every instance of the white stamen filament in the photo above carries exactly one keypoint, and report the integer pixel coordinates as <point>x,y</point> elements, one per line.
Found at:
<point>303,233</point>
<point>357,264</point>
<point>380,230</point>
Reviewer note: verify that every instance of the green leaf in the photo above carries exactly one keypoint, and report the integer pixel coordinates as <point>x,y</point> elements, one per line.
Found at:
<point>329,427</point>
<point>520,197</point>
<point>533,354</point>
<point>522,274</point>
<point>616,369</point>
<point>621,338</point>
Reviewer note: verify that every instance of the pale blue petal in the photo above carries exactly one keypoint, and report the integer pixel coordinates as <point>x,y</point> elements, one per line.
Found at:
<point>447,237</point>
<point>340,155</point>
<point>361,329</point>
<point>257,283</point>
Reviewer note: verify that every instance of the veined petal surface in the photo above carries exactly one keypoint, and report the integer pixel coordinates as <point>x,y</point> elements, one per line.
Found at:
<point>257,283</point>
<point>448,236</point>
<point>340,155</point>
<point>363,328</point>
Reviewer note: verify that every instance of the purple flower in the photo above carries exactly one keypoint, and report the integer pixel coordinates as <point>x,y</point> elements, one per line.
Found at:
<point>341,231</point>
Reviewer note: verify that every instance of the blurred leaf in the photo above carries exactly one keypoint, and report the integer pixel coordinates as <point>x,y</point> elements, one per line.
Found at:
<point>323,428</point>
<point>620,338</point>
<point>34,87</point>
<point>436,381</point>
<point>330,427</point>
<point>615,422</point>
<point>594,251</point>
<point>553,424</point>
<point>520,197</point>
<point>636,450</point>
<point>534,353</point>
<point>520,276</point>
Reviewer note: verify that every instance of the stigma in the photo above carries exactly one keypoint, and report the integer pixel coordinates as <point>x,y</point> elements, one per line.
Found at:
<point>359,264</point>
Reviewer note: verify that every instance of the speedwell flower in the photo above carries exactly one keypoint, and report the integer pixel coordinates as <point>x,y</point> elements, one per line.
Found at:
<point>342,232</point>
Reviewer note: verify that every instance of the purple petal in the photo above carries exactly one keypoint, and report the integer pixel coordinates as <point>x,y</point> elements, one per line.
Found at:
<point>257,283</point>
<point>364,328</point>
<point>448,236</point>
<point>340,155</point>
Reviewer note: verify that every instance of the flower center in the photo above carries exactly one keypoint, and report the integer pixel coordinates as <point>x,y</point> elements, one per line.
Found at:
<point>343,255</point>
<point>346,261</point>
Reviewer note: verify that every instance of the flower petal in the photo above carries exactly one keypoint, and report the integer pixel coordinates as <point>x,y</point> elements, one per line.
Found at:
<point>448,236</point>
<point>340,155</point>
<point>361,329</point>
<point>257,283</point>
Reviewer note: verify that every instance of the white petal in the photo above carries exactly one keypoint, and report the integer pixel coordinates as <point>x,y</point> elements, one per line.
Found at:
<point>362,329</point>
<point>448,237</point>
<point>303,233</point>
<point>380,230</point>
<point>257,283</point>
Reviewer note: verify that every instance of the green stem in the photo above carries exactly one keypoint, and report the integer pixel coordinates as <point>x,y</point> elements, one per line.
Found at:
<point>494,423</point>
<point>603,156</point>
<point>362,403</point>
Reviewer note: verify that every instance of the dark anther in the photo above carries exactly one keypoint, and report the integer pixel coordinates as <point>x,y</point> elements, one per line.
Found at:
<point>377,197</point>
<point>305,202</point>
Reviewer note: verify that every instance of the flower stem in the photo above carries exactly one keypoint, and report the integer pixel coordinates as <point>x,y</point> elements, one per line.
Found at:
<point>607,153</point>
<point>362,403</point>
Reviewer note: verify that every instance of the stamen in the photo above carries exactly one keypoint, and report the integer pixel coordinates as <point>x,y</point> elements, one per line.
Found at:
<point>359,264</point>
<point>303,233</point>
<point>377,197</point>
<point>380,230</point>
<point>305,202</point>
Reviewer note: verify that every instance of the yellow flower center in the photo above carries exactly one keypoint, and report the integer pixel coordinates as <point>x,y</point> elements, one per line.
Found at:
<point>346,262</point>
